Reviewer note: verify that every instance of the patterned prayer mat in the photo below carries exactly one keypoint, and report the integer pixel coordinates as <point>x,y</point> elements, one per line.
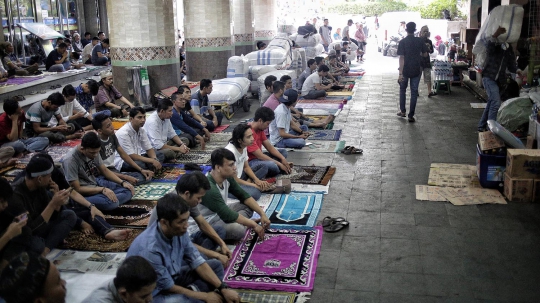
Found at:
<point>169,91</point>
<point>321,146</point>
<point>133,213</point>
<point>358,75</point>
<point>321,111</point>
<point>295,210</point>
<point>171,173</point>
<point>21,80</point>
<point>78,240</point>
<point>220,137</point>
<point>286,260</point>
<point>324,134</point>
<point>9,173</point>
<point>70,143</point>
<point>152,191</point>
<point>58,152</point>
<point>341,93</point>
<point>324,101</point>
<point>310,174</point>
<point>118,124</point>
<point>195,156</point>
<point>261,296</point>
<point>321,105</point>
<point>221,128</point>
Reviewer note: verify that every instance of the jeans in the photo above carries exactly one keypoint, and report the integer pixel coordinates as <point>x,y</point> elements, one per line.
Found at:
<point>54,137</point>
<point>210,124</point>
<point>57,230</point>
<point>315,94</point>
<point>188,277</point>
<point>100,226</point>
<point>493,103</point>
<point>33,144</point>
<point>415,82</point>
<point>203,240</point>
<point>101,61</point>
<point>159,155</point>
<point>60,67</point>
<point>254,192</point>
<point>185,137</point>
<point>293,143</point>
<point>234,231</point>
<point>140,177</point>
<point>266,169</point>
<point>102,202</point>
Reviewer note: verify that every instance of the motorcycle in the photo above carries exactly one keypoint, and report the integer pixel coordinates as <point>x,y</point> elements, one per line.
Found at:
<point>391,47</point>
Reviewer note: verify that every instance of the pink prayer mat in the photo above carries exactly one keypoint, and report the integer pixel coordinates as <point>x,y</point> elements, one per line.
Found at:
<point>286,260</point>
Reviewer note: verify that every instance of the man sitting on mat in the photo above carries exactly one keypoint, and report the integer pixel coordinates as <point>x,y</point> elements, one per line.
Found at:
<point>134,282</point>
<point>313,88</point>
<point>278,88</point>
<point>269,85</point>
<point>134,140</point>
<point>284,132</point>
<point>265,164</point>
<point>236,216</point>
<point>87,174</point>
<point>184,125</point>
<point>312,65</point>
<point>204,112</point>
<point>72,111</point>
<point>102,124</point>
<point>161,133</point>
<point>183,275</point>
<point>207,238</point>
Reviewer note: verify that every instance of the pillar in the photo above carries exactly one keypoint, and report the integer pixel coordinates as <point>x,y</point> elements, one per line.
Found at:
<point>208,32</point>
<point>264,14</point>
<point>143,33</point>
<point>103,17</point>
<point>90,12</point>
<point>472,16</point>
<point>243,26</point>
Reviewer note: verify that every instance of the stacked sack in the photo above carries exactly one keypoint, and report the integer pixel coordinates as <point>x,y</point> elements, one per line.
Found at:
<point>508,16</point>
<point>237,66</point>
<point>311,44</point>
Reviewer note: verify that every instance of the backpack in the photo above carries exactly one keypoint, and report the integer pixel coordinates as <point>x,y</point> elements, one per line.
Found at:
<point>307,29</point>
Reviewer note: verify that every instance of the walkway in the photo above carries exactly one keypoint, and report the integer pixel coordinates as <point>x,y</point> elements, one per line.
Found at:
<point>398,249</point>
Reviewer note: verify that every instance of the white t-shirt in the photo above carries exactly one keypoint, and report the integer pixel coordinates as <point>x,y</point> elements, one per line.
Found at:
<point>309,84</point>
<point>241,158</point>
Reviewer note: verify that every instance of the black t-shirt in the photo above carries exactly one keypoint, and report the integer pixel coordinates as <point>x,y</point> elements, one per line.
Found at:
<point>426,61</point>
<point>52,58</point>
<point>411,48</point>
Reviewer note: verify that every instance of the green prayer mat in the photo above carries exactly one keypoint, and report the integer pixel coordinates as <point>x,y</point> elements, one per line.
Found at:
<point>261,296</point>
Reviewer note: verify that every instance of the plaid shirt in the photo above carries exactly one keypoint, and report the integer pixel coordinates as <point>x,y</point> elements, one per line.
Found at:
<point>86,100</point>
<point>498,60</point>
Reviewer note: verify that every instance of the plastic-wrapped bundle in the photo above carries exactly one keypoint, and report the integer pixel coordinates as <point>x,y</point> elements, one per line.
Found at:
<point>312,52</point>
<point>312,40</point>
<point>297,64</point>
<point>255,72</point>
<point>263,93</point>
<point>352,46</point>
<point>237,66</point>
<point>515,112</point>
<point>508,16</point>
<point>267,57</point>
<point>228,90</point>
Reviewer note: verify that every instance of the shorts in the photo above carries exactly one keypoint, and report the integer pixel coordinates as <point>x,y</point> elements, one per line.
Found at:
<point>427,75</point>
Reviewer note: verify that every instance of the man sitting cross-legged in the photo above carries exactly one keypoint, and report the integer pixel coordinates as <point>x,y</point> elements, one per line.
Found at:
<point>87,174</point>
<point>161,133</point>
<point>183,123</point>
<point>284,132</point>
<point>214,206</point>
<point>265,164</point>
<point>183,275</point>
<point>134,140</point>
<point>72,111</point>
<point>86,92</point>
<point>207,238</point>
<point>242,137</point>
<point>313,87</point>
<point>135,281</point>
<point>201,106</point>
<point>39,115</point>
<point>108,97</point>
<point>110,147</point>
<point>48,219</point>
<point>11,130</point>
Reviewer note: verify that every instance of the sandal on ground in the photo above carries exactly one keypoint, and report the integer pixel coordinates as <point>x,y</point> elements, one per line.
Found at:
<point>431,94</point>
<point>327,221</point>
<point>351,150</point>
<point>337,226</point>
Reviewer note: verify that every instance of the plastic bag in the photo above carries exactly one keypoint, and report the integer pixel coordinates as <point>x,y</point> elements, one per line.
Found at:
<point>514,112</point>
<point>237,66</point>
<point>228,90</point>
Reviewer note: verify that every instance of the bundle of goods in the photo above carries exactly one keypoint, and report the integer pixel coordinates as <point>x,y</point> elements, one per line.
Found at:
<point>514,113</point>
<point>227,91</point>
<point>238,66</point>
<point>278,52</point>
<point>312,52</point>
<point>351,56</point>
<point>287,29</point>
<point>255,72</point>
<point>263,93</point>
<point>509,17</point>
<point>299,63</point>
<point>309,41</point>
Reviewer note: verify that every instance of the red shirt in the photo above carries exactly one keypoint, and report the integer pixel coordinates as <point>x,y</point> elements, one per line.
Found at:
<point>258,138</point>
<point>6,124</point>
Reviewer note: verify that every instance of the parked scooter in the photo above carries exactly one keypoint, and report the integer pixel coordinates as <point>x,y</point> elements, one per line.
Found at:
<point>391,47</point>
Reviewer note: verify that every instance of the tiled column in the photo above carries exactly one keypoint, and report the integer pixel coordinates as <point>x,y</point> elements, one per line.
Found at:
<point>208,32</point>
<point>143,32</point>
<point>264,13</point>
<point>243,26</point>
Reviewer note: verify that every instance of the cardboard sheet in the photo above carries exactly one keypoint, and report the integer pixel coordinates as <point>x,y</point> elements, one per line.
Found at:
<point>453,175</point>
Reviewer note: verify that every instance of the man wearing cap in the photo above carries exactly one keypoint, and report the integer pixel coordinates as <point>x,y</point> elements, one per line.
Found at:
<point>108,95</point>
<point>87,174</point>
<point>39,115</point>
<point>161,133</point>
<point>32,278</point>
<point>47,217</point>
<point>411,49</point>
<point>281,134</point>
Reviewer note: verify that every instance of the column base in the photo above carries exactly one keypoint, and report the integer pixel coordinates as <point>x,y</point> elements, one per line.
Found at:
<point>244,49</point>
<point>207,65</point>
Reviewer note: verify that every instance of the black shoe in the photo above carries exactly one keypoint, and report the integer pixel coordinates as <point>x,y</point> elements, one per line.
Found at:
<point>401,114</point>
<point>411,119</point>
<point>432,94</point>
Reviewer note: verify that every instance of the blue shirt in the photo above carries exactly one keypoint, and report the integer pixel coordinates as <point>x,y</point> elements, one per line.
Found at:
<point>98,48</point>
<point>184,123</point>
<point>167,256</point>
<point>86,100</point>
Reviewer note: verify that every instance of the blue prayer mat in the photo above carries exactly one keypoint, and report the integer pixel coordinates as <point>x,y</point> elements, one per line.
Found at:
<point>294,210</point>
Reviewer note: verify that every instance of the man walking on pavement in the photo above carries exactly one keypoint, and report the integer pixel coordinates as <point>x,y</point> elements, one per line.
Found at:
<point>326,36</point>
<point>410,50</point>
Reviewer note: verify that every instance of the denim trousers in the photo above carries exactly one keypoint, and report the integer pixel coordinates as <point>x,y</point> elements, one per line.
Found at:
<point>493,103</point>
<point>58,229</point>
<point>293,143</point>
<point>203,240</point>
<point>266,169</point>
<point>32,144</point>
<point>415,82</point>
<point>102,202</point>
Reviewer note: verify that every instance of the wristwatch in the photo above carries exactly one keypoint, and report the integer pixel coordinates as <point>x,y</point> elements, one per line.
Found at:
<point>91,205</point>
<point>222,286</point>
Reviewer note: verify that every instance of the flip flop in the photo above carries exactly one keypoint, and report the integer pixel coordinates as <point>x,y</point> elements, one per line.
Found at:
<point>346,150</point>
<point>335,227</point>
<point>355,150</point>
<point>327,221</point>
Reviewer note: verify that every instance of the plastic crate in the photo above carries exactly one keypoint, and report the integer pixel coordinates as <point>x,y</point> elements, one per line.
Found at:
<point>490,169</point>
